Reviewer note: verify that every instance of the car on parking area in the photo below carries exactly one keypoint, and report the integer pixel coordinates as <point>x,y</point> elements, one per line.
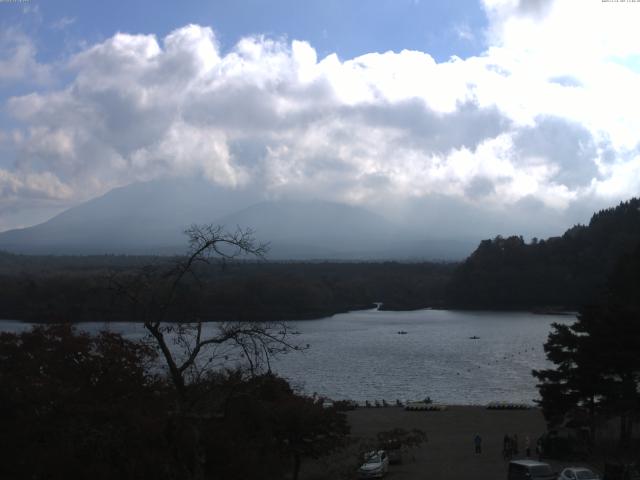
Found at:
<point>530,470</point>
<point>621,471</point>
<point>376,465</point>
<point>578,473</point>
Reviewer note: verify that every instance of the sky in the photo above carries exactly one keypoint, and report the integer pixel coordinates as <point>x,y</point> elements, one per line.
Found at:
<point>525,111</point>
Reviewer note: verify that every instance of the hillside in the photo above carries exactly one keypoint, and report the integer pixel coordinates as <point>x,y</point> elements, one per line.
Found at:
<point>139,218</point>
<point>149,218</point>
<point>559,272</point>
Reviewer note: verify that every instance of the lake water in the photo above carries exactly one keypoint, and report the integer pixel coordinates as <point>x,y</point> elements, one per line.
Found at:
<point>360,355</point>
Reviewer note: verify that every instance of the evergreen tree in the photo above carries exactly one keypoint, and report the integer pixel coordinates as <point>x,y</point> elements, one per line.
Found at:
<point>597,358</point>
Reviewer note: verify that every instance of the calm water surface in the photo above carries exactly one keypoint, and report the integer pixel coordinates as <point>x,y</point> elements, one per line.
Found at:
<point>360,355</point>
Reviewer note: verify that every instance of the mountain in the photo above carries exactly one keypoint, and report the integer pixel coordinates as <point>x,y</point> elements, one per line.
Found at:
<point>315,229</point>
<point>139,218</point>
<point>563,272</point>
<point>149,218</point>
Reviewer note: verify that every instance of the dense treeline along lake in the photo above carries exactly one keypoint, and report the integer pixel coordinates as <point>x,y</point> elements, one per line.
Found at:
<point>361,356</point>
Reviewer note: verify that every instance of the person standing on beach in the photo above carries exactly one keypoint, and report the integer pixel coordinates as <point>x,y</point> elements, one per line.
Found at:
<point>478,443</point>
<point>539,448</point>
<point>506,447</point>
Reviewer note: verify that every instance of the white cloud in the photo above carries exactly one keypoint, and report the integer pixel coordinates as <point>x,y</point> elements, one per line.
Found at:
<point>18,61</point>
<point>63,23</point>
<point>539,40</point>
<point>464,32</point>
<point>32,185</point>
<point>548,115</point>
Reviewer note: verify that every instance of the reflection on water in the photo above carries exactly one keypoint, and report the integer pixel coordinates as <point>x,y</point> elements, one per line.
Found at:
<point>361,356</point>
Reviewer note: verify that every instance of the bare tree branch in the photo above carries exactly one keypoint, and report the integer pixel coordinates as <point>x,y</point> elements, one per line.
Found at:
<point>153,292</point>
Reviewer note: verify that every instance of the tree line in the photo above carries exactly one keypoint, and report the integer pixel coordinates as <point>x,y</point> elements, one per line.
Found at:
<point>50,289</point>
<point>564,272</point>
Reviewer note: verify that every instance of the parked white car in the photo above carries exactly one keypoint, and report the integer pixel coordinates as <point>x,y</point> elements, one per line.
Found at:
<point>376,465</point>
<point>578,473</point>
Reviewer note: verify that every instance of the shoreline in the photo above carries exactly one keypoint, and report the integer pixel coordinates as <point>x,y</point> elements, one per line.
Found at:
<point>373,307</point>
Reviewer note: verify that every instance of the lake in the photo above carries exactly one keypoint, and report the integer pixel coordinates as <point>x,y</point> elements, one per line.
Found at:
<point>360,355</point>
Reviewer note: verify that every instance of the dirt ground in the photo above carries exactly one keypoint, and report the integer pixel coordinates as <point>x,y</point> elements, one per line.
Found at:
<point>449,452</point>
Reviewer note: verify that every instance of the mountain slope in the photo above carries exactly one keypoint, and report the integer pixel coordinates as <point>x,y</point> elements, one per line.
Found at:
<point>139,218</point>
<point>149,218</point>
<point>315,229</point>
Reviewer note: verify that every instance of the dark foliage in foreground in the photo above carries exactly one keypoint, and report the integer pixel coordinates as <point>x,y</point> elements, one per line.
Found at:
<point>272,427</point>
<point>50,289</point>
<point>76,406</point>
<point>597,359</point>
<point>560,272</point>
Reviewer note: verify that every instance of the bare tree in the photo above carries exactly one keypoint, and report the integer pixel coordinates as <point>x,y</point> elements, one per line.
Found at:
<point>153,292</point>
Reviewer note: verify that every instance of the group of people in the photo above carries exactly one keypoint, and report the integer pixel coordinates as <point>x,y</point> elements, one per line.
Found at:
<point>510,446</point>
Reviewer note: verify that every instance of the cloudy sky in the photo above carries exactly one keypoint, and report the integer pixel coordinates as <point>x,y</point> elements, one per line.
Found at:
<point>524,110</point>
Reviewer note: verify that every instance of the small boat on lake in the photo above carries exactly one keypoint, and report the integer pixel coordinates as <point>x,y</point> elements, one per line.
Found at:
<point>401,332</point>
<point>475,337</point>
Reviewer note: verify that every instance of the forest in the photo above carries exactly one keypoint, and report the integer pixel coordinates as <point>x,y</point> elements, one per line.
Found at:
<point>559,273</point>
<point>54,289</point>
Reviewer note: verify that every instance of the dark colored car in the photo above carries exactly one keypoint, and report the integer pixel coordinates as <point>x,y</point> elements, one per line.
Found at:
<point>530,470</point>
<point>621,471</point>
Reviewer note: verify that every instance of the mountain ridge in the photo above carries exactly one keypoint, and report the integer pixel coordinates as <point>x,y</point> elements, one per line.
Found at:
<point>150,218</point>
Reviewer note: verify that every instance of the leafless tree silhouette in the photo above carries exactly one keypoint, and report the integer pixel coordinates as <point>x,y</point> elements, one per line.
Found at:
<point>153,291</point>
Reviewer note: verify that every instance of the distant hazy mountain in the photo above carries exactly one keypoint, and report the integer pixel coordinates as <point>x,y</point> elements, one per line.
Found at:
<point>321,230</point>
<point>150,218</point>
<point>138,218</point>
<point>315,229</point>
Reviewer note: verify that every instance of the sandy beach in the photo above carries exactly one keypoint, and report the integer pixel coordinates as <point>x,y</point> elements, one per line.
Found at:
<point>449,452</point>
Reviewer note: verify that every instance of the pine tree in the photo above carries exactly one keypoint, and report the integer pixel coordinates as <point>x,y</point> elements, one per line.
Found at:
<point>597,358</point>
